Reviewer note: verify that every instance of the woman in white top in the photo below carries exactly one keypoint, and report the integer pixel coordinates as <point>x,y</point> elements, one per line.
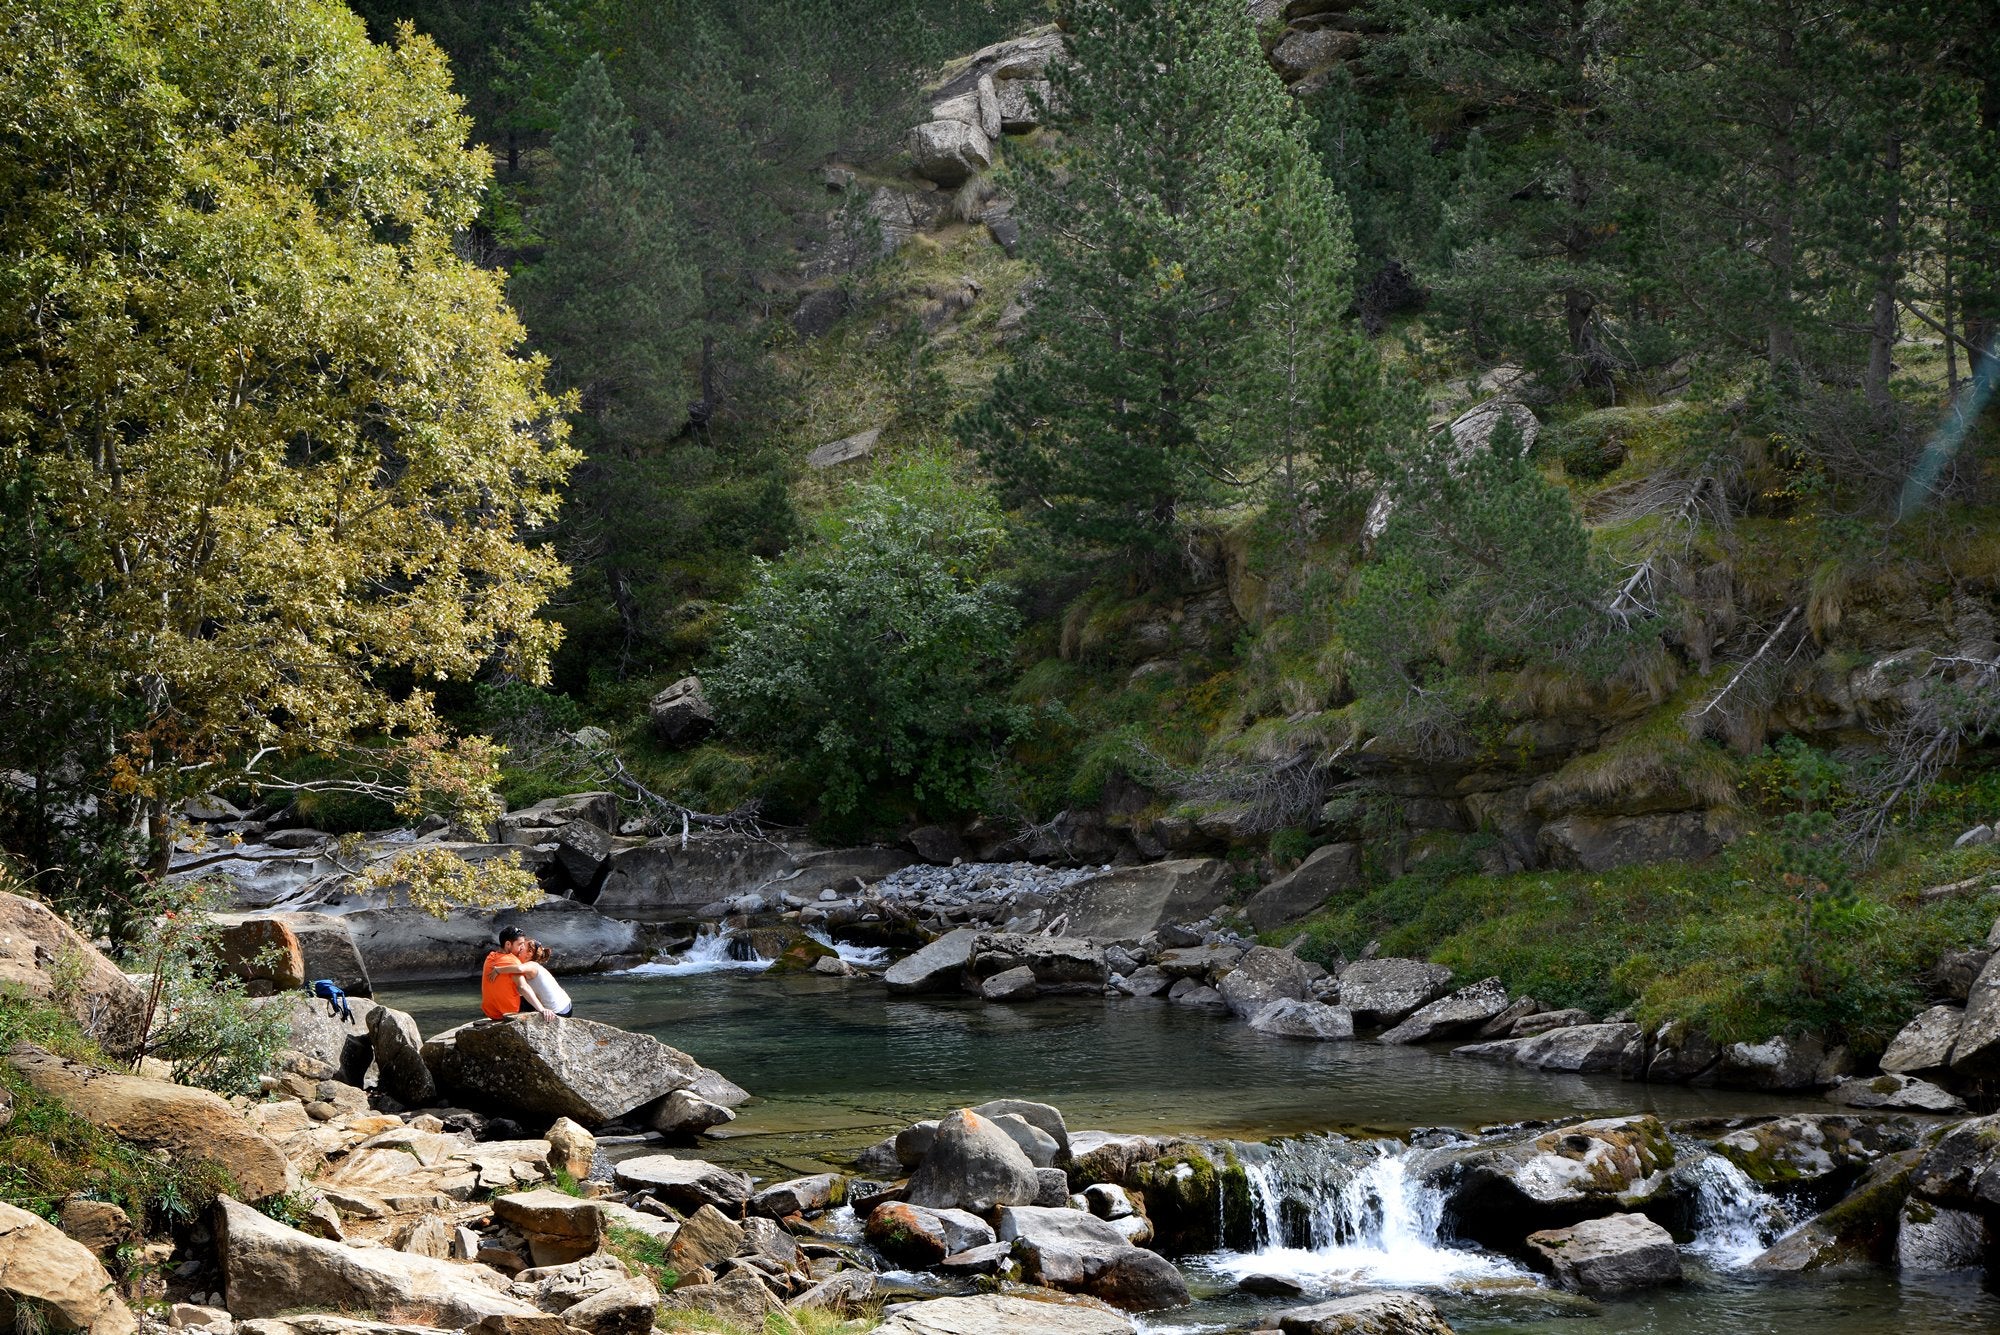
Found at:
<point>535,976</point>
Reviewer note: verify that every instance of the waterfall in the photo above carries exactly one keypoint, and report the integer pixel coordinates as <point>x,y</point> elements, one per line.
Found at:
<point>1330,1213</point>
<point>864,957</point>
<point>1734,1218</point>
<point>712,951</point>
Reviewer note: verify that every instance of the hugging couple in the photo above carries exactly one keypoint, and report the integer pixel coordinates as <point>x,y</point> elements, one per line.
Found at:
<point>516,977</point>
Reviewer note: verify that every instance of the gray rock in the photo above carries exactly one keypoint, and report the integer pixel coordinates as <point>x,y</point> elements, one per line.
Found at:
<point>1366,1314</point>
<point>583,852</point>
<point>1615,1254</point>
<point>1801,1149</point>
<point>917,1235</point>
<point>1925,1043</point>
<point>1934,1240</point>
<point>972,1165</point>
<point>1462,1011</point>
<point>1261,977</point>
<point>547,1067</point>
<point>1894,1093</point>
<point>1978,834</point>
<point>1017,984</point>
<point>685,1184</point>
<point>680,714</point>
<point>1078,1252</point>
<point>949,151</point>
<point>1600,843</point>
<point>1054,1193</point>
<point>1505,1191</point>
<point>800,1195</point>
<point>1148,980</point>
<point>1108,1201</point>
<point>1304,1019</point>
<point>1060,964</point>
<point>1382,992</point>
<point>1961,1170</point>
<point>937,967</point>
<point>1025,57</point>
<point>399,1057</point>
<point>914,1141</point>
<point>1128,903</point>
<point>1502,1025</point>
<point>403,944</point>
<point>1327,871</point>
<point>1305,51</point>
<point>1187,992</point>
<point>1977,1050</point>
<point>664,881</point>
<point>1782,1063</point>
<point>626,1306</point>
<point>1585,1049</point>
<point>1540,1022</point>
<point>1037,1144</point>
<point>1198,961</point>
<point>845,450</point>
<point>1020,103</point>
<point>1858,1232</point>
<point>683,1112</point>
<point>1043,1117</point>
<point>993,1314</point>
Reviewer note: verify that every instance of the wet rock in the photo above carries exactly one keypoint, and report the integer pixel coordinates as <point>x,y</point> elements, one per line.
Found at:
<point>545,1066</point>
<point>1858,1231</point>
<point>1366,1314</point>
<point>1558,1177</point>
<point>49,1279</point>
<point>399,1057</point>
<point>972,1165</point>
<point>1262,976</point>
<point>1894,1093</point>
<point>1614,1254</point>
<point>1130,902</point>
<point>918,1237</point>
<point>1304,1019</point>
<point>1464,1010</point>
<point>1103,1156</point>
<point>1821,1150</point>
<point>1196,1202</point>
<point>938,967</point>
<point>685,1184</point>
<point>1017,984</point>
<point>1585,1049</point>
<point>1148,981</point>
<point>1187,992</point>
<point>1961,1170</point>
<point>1080,1253</point>
<point>994,1314</point>
<point>1327,871</point>
<point>191,1126</point>
<point>1932,1239</point>
<point>1782,1063</point>
<point>1924,1044</point>
<point>1058,964</point>
<point>1384,991</point>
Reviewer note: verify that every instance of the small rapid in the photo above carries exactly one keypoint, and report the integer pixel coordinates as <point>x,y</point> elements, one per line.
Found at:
<point>1734,1218</point>
<point>712,951</point>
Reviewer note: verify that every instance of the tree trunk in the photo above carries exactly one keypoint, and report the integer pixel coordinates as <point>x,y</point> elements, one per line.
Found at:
<point>1980,297</point>
<point>1888,272</point>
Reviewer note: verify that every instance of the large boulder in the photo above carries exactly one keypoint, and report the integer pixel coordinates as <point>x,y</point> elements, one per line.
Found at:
<point>1859,1231</point>
<point>1329,870</point>
<point>937,967</point>
<point>559,1227</point>
<point>190,1125</point>
<point>269,1269</point>
<point>1894,1093</point>
<point>1502,1192</point>
<point>1583,1049</point>
<point>1600,843</point>
<point>994,1314</point>
<point>668,879</point>
<point>1076,1251</point>
<point>1614,1254</point>
<point>1461,1012</point>
<point>1043,1117</point>
<point>326,1033</point>
<point>1781,1063</point>
<point>972,1165</point>
<point>680,714</point>
<point>35,944</point>
<point>1961,1170</point>
<point>1977,1050</point>
<point>919,1237</point>
<point>1382,992</point>
<point>1058,963</point>
<point>1261,977</point>
<point>1924,1044</point>
<point>1025,57</point>
<point>1128,903</point>
<point>686,1184</point>
<point>48,1280</point>
<point>1304,1019</point>
<point>399,1057</point>
<point>1366,1314</point>
<point>949,151</point>
<point>1822,1151</point>
<point>263,951</point>
<point>326,946</point>
<point>404,944</point>
<point>546,1067</point>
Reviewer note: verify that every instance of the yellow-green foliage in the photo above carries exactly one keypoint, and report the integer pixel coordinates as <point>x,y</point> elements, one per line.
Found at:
<point>1655,756</point>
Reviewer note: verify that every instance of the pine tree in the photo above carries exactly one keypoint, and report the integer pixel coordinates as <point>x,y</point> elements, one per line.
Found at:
<point>1192,269</point>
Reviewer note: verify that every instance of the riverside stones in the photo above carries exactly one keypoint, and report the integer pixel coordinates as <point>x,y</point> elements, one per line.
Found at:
<point>1042,1116</point>
<point>1977,1050</point>
<point>1128,903</point>
<point>1894,1093</point>
<point>1304,1019</point>
<point>1326,872</point>
<point>1261,977</point>
<point>1925,1043</point>
<point>545,1066</point>
<point>935,968</point>
<point>1614,1254</point>
<point>1463,1010</point>
<point>1383,992</point>
<point>399,1057</point>
<point>45,1275</point>
<point>686,1184</point>
<point>1075,1250</point>
<point>1055,964</point>
<point>1584,1049</point>
<point>1366,1314</point>
<point>994,1314</point>
<point>1610,1163</point>
<point>972,1165</point>
<point>917,1236</point>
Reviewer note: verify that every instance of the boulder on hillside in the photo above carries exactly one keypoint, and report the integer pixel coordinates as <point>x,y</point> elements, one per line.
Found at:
<point>547,1067</point>
<point>34,941</point>
<point>994,1314</point>
<point>949,151</point>
<point>1128,903</point>
<point>685,1184</point>
<point>972,1165</point>
<point>47,1279</point>
<point>191,1125</point>
<point>1366,1314</point>
<point>1382,992</point>
<point>1305,51</point>
<point>1924,1044</point>
<point>263,952</point>
<point>1461,1012</point>
<point>937,967</point>
<point>1327,871</point>
<point>680,714</point>
<point>399,1057</point>
<point>1600,843</point>
<point>1615,1254</point>
<point>269,1269</point>
<point>1264,975</point>
<point>1025,57</point>
<point>845,450</point>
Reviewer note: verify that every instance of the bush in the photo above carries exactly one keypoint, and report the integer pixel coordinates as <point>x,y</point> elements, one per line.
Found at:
<point>198,1014</point>
<point>874,656</point>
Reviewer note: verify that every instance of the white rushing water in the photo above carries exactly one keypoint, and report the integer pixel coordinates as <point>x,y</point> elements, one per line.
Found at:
<point>1734,1218</point>
<point>863,957</point>
<point>1331,1214</point>
<point>712,951</point>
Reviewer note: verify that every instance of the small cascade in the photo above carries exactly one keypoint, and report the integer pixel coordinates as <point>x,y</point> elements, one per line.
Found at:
<point>1734,1218</point>
<point>712,951</point>
<point>1330,1213</point>
<point>862,957</point>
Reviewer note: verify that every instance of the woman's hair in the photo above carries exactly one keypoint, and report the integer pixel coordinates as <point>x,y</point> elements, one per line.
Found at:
<point>538,952</point>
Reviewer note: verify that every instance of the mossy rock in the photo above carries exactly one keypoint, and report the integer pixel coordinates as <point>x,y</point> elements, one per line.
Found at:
<point>1198,1200</point>
<point>791,951</point>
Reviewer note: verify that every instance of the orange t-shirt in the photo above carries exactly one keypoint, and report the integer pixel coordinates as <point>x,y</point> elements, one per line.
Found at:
<point>499,994</point>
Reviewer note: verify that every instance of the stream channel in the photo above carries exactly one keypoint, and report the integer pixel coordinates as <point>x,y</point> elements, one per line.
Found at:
<point>837,1064</point>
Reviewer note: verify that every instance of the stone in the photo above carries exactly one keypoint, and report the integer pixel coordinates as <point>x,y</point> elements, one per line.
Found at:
<point>1384,991</point>
<point>1262,976</point>
<point>1128,903</point>
<point>685,1184</point>
<point>936,967</point>
<point>1615,1254</point>
<point>994,1314</point>
<point>1782,1063</point>
<point>1961,1170</point>
<point>845,450</point>
<point>1541,1021</point>
<point>820,310</point>
<point>1977,1049</point>
<point>1601,843</point>
<point>1021,103</point>
<point>1025,57</point>
<point>972,1165</point>
<point>1978,834</point>
<point>1148,980</point>
<point>571,1148</point>
<point>739,1296</point>
<point>1016,984</point>
<point>181,1316</point>
<point>191,1125</point>
<point>270,1269</point>
<point>263,950</point>
<point>56,1280</point>
<point>1584,1049</point>
<point>1042,1116</point>
<point>1304,1019</point>
<point>1053,1192</point>
<point>1932,1240</point>
<point>684,1112</point>
<point>626,1307</point>
<point>1037,1144</point>
<point>949,151</point>
<point>583,853</point>
<point>704,1238</point>
<point>1859,1231</point>
<point>842,1292</point>
<point>918,1237</point>
<point>545,1066</point>
<point>1076,1251</point>
<point>1060,964</point>
<point>1606,1164</point>
<point>1109,1201</point>
<point>405,944</point>
<point>680,714</point>
<point>1366,1314</point>
<point>34,941</point>
<point>559,1227</point>
<point>98,1225</point>
<point>399,1058</point>
<point>1502,1025</point>
<point>800,1195</point>
<point>1328,870</point>
<point>1800,1149</point>
<point>914,1141</point>
<point>1464,1010</point>
<point>1894,1093</point>
<point>1187,992</point>
<point>1305,51</point>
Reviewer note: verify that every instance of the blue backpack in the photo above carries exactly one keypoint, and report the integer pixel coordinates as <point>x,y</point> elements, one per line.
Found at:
<point>334,996</point>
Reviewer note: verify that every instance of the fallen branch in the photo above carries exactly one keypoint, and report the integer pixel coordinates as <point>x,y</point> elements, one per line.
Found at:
<point>1715,701</point>
<point>1956,887</point>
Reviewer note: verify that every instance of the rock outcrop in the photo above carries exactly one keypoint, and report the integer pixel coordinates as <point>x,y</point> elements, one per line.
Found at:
<point>972,1165</point>
<point>34,943</point>
<point>549,1067</point>
<point>45,1275</point>
<point>1613,1254</point>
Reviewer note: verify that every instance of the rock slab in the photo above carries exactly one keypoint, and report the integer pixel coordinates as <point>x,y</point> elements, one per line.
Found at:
<point>1615,1254</point>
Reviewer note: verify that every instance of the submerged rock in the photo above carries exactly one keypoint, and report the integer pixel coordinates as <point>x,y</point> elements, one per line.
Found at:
<point>1304,1019</point>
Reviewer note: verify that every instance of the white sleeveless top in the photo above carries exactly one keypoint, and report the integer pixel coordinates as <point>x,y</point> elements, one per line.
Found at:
<point>545,987</point>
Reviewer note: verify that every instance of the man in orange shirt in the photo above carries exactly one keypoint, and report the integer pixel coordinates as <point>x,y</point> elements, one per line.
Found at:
<point>501,992</point>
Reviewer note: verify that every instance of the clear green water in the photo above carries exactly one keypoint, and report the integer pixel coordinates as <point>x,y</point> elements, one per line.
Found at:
<point>837,1065</point>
